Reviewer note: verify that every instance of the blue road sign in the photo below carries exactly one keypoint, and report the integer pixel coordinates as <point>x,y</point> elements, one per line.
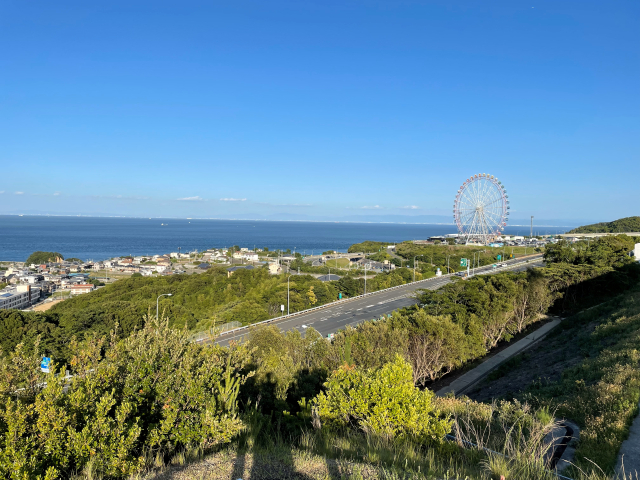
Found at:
<point>44,364</point>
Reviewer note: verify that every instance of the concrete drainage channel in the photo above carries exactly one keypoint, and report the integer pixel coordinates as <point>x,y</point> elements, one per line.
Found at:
<point>205,336</point>
<point>560,439</point>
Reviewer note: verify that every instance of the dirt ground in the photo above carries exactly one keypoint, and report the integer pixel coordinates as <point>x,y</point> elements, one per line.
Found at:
<point>43,307</point>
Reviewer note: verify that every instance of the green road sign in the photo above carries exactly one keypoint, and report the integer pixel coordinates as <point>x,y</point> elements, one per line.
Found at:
<point>463,262</point>
<point>340,296</point>
<point>499,257</point>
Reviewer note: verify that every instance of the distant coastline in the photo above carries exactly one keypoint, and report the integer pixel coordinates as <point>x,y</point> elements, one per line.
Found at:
<point>570,224</point>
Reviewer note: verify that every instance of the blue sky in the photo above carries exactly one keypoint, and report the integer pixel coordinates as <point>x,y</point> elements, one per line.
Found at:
<point>318,109</point>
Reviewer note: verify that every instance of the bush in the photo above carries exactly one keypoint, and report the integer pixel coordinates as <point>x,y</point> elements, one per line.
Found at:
<point>382,402</point>
<point>153,392</point>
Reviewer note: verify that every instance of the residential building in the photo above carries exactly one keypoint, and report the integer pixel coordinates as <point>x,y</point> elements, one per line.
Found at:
<point>251,257</point>
<point>232,270</point>
<point>81,288</point>
<point>275,269</point>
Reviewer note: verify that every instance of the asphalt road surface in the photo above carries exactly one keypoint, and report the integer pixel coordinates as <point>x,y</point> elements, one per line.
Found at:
<point>333,318</point>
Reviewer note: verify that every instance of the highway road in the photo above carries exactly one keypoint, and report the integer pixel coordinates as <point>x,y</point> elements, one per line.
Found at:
<point>332,318</point>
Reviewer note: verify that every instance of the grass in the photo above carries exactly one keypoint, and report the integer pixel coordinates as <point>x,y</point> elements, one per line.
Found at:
<point>587,371</point>
<point>337,263</point>
<point>513,431</point>
<point>602,392</point>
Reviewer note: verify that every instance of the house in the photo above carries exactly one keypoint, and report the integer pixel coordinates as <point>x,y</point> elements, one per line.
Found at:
<point>232,270</point>
<point>275,269</point>
<point>81,288</point>
<point>204,266</point>
<point>251,257</point>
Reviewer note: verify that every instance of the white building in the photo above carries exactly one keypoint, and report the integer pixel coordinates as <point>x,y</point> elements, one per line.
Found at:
<point>21,296</point>
<point>251,257</point>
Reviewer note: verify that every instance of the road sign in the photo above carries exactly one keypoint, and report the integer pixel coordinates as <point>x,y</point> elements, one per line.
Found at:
<point>44,364</point>
<point>463,262</point>
<point>340,296</point>
<point>282,308</point>
<point>499,257</point>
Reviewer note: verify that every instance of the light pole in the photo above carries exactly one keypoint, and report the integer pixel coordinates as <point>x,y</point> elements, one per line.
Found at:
<point>414,268</point>
<point>448,264</point>
<point>531,227</point>
<point>365,278</point>
<point>158,300</point>
<point>288,294</point>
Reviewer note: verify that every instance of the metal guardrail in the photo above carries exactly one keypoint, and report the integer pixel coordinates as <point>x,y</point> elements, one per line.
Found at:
<point>345,300</point>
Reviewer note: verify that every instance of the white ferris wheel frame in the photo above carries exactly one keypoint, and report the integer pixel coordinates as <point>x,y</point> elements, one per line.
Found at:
<point>481,208</point>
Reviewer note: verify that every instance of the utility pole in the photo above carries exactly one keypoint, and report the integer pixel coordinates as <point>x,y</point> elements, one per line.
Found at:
<point>414,268</point>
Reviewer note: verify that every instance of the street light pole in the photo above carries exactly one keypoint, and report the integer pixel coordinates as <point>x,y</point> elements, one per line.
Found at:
<point>158,300</point>
<point>365,278</point>
<point>414,268</point>
<point>288,294</point>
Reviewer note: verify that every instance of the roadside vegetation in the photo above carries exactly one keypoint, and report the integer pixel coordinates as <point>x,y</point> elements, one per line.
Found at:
<point>198,303</point>
<point>282,402</point>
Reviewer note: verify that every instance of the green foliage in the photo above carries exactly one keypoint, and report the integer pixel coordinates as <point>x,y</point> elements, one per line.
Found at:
<point>491,308</point>
<point>43,257</point>
<point>380,256</point>
<point>609,251</point>
<point>153,392</point>
<point>198,302</point>
<point>74,259</point>
<point>627,224</point>
<point>383,402</point>
<point>368,246</point>
<point>601,392</point>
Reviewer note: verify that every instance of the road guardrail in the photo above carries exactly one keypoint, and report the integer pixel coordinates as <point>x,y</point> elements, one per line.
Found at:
<point>346,300</point>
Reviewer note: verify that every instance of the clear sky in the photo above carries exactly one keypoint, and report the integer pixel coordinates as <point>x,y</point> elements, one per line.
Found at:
<point>318,108</point>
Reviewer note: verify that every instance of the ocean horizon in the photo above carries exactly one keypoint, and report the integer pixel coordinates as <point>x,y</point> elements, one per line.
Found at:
<point>99,238</point>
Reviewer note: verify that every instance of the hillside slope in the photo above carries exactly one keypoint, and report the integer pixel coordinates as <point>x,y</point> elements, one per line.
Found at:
<point>622,225</point>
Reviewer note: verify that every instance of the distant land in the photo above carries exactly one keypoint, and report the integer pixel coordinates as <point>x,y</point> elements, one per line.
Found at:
<point>627,224</point>
<point>292,217</point>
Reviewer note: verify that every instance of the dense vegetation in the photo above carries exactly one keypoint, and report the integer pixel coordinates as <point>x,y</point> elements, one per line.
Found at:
<point>198,302</point>
<point>140,400</point>
<point>145,397</point>
<point>622,225</point>
<point>39,258</point>
<point>368,246</point>
<point>601,392</point>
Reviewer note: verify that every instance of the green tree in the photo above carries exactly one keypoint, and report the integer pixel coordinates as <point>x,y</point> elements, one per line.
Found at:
<point>40,257</point>
<point>311,296</point>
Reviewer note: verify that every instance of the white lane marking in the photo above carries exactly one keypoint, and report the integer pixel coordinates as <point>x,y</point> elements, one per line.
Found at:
<point>369,306</point>
<point>359,308</point>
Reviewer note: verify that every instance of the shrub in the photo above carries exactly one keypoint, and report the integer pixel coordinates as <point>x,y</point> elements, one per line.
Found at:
<point>153,392</point>
<point>381,402</point>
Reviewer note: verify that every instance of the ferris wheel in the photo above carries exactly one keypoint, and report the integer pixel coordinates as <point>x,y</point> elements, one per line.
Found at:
<point>481,209</point>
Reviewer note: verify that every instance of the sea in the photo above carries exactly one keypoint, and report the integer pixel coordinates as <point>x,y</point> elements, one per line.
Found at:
<point>99,238</point>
